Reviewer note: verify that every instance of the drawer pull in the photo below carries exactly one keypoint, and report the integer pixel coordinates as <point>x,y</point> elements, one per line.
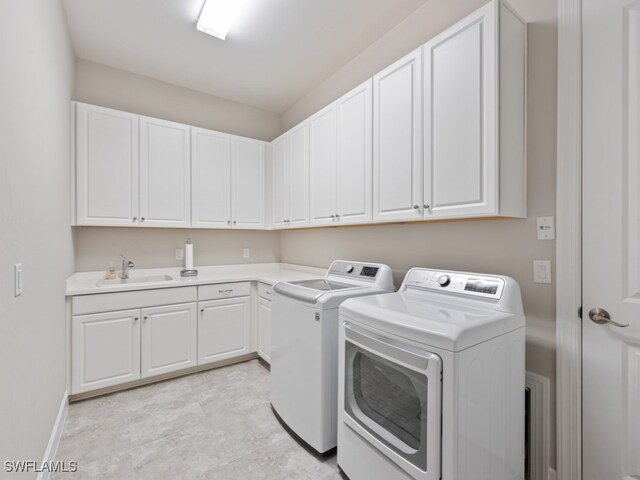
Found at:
<point>229,290</point>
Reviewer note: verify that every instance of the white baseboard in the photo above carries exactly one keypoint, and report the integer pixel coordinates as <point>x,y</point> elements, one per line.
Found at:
<point>552,474</point>
<point>56,433</point>
<point>539,387</point>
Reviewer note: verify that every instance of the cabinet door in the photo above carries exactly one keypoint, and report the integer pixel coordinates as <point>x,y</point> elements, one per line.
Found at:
<point>279,182</point>
<point>460,165</point>
<point>224,329</point>
<point>298,181</point>
<point>264,329</point>
<point>165,179</point>
<point>247,183</point>
<point>107,166</point>
<point>355,155</point>
<point>105,350</point>
<point>169,339</point>
<point>397,140</point>
<point>210,179</point>
<point>322,166</point>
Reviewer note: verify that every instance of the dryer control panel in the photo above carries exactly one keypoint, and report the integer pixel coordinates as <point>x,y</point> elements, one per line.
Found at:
<point>474,285</point>
<point>352,269</point>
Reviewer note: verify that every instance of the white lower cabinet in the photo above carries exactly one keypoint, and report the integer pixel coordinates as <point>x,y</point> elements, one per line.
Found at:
<point>105,349</point>
<point>169,339</point>
<point>264,329</point>
<point>224,329</point>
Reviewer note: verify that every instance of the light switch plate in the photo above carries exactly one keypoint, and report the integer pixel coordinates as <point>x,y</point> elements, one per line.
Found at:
<point>18,281</point>
<point>179,254</point>
<point>245,253</point>
<point>542,271</point>
<point>546,228</point>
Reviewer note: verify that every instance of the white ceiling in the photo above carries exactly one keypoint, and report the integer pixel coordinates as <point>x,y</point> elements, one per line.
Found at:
<point>276,52</point>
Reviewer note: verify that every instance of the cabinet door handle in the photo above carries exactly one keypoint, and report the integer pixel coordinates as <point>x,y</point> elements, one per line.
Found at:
<point>337,217</point>
<point>427,206</point>
<point>145,318</point>
<point>333,218</point>
<point>416,207</point>
<point>135,319</point>
<point>142,219</point>
<point>202,310</point>
<point>234,222</point>
<point>134,219</point>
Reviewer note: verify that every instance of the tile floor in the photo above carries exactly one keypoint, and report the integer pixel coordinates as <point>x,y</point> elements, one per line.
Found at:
<point>212,425</point>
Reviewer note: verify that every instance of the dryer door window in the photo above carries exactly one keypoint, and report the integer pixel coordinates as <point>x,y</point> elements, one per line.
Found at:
<point>392,396</point>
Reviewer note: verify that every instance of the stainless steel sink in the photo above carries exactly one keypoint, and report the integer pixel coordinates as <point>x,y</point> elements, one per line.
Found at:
<point>133,280</point>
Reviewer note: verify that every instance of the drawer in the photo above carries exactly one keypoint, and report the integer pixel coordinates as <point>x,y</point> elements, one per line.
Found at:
<point>109,302</point>
<point>265,291</point>
<point>224,290</point>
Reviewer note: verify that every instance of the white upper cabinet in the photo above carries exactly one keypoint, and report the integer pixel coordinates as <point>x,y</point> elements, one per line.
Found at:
<point>474,149</point>
<point>279,181</point>
<point>341,160</point>
<point>165,173</point>
<point>290,178</point>
<point>247,182</point>
<point>228,178</point>
<point>397,140</point>
<point>210,179</point>
<point>298,177</point>
<point>354,114</point>
<point>107,166</point>
<point>323,166</point>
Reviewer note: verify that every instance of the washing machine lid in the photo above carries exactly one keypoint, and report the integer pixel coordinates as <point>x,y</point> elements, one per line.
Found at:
<point>343,280</point>
<point>429,320</point>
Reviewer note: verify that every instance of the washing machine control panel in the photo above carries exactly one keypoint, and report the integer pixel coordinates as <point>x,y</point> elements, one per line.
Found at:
<point>485,286</point>
<point>352,269</point>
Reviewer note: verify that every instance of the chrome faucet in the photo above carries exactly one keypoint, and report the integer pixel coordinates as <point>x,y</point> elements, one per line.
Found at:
<point>126,265</point>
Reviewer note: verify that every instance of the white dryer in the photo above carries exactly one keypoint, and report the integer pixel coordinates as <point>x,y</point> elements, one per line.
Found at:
<point>432,380</point>
<point>304,347</point>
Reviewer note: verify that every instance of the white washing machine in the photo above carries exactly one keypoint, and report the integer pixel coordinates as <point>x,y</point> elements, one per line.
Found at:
<point>432,380</point>
<point>304,347</point>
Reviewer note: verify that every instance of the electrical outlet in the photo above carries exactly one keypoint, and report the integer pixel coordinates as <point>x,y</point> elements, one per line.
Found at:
<point>18,281</point>
<point>245,253</point>
<point>179,254</point>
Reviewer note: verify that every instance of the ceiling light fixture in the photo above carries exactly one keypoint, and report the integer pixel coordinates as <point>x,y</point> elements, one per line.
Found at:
<point>217,16</point>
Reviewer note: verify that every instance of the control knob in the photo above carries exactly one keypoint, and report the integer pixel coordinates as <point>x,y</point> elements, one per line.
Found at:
<point>348,268</point>
<point>444,280</point>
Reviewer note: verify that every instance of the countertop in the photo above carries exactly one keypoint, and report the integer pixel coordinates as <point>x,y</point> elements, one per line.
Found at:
<point>85,283</point>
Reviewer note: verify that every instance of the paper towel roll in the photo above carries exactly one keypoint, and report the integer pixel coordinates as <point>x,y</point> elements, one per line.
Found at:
<point>188,255</point>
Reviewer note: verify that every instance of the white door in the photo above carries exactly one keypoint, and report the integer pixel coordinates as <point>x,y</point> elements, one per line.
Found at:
<point>107,166</point>
<point>611,239</point>
<point>264,329</point>
<point>298,175</point>
<point>247,180</point>
<point>210,179</point>
<point>397,140</point>
<point>169,339</point>
<point>224,329</point>
<point>355,155</point>
<point>460,85</point>
<point>105,350</point>
<point>279,182</point>
<point>322,166</point>
<point>165,173</point>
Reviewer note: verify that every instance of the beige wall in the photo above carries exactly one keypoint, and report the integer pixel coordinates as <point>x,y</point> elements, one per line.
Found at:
<point>155,247</point>
<point>493,246</point>
<point>109,87</point>
<point>35,90</point>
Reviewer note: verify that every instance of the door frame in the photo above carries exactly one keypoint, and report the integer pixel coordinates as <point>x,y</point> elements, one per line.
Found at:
<point>569,243</point>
